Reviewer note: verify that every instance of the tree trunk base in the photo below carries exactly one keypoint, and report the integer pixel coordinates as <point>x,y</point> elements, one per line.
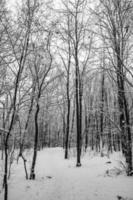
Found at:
<point>32,176</point>
<point>78,165</point>
<point>66,154</point>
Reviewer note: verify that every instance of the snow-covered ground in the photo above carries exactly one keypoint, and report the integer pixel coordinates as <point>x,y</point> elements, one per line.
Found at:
<point>59,179</point>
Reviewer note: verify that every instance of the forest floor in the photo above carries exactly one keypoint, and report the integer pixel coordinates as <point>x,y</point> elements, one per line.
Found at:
<point>99,178</point>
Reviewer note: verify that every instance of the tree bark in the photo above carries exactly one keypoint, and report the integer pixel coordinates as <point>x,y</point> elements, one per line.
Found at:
<point>32,174</point>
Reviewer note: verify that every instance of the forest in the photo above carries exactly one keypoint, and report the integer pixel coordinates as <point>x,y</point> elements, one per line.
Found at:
<point>66,94</point>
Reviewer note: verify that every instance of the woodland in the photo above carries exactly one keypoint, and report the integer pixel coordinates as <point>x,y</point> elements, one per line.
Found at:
<point>66,81</point>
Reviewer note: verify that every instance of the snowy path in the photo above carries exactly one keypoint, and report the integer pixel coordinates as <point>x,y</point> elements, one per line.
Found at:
<point>59,179</point>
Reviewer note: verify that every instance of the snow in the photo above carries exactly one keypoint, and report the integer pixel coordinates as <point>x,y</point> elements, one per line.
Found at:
<point>59,179</point>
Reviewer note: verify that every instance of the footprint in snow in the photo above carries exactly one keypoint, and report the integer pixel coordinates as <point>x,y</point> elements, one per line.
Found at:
<point>123,198</point>
<point>49,177</point>
<point>27,187</point>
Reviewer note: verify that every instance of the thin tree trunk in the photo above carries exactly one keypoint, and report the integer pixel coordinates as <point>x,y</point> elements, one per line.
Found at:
<point>124,118</point>
<point>64,128</point>
<point>80,113</point>
<point>67,129</point>
<point>101,113</point>
<point>32,173</point>
<point>72,126</point>
<point>86,131</point>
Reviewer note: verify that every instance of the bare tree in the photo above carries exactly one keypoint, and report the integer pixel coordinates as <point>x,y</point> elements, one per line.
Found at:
<point>65,53</point>
<point>40,72</point>
<point>114,17</point>
<point>20,55</point>
<point>81,48</point>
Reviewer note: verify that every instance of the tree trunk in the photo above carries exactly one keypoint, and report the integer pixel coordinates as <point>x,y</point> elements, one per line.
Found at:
<point>101,113</point>
<point>67,130</point>
<point>72,125</point>
<point>77,109</point>
<point>124,118</point>
<point>32,173</point>
<point>68,110</point>
<point>86,131</point>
